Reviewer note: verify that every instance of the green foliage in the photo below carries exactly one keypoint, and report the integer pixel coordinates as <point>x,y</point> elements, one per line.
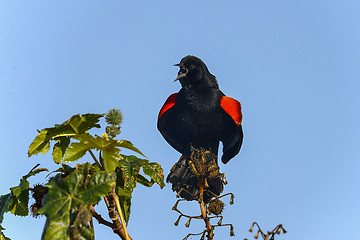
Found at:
<point>20,199</point>
<point>128,175</point>
<point>108,146</point>
<point>4,203</point>
<point>60,148</point>
<point>75,125</point>
<point>67,202</point>
<point>17,200</point>
<point>67,197</point>
<point>73,190</point>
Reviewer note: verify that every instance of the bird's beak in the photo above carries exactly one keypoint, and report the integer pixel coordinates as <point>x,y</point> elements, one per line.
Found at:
<point>183,71</point>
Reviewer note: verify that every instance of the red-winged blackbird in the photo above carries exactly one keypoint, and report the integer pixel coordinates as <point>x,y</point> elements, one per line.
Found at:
<point>199,116</point>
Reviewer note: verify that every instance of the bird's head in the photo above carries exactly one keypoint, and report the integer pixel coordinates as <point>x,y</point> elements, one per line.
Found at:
<point>193,71</point>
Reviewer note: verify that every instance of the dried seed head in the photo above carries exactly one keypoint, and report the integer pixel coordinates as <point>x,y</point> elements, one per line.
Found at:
<point>37,192</point>
<point>216,207</point>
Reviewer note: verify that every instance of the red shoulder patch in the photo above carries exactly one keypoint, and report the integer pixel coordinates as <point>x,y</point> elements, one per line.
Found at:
<point>170,102</point>
<point>233,108</point>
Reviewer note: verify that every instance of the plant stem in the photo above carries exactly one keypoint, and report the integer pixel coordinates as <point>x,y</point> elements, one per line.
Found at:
<point>92,228</point>
<point>202,207</point>
<point>118,227</point>
<point>117,202</point>
<point>100,219</point>
<point>96,161</point>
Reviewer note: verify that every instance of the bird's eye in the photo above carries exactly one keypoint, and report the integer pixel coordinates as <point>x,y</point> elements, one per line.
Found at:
<point>192,66</point>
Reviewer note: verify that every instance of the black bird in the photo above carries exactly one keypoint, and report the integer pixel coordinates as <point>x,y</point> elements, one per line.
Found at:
<point>199,116</point>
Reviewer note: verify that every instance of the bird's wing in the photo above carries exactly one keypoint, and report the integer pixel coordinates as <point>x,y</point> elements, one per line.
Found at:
<point>166,122</point>
<point>234,135</point>
<point>170,102</point>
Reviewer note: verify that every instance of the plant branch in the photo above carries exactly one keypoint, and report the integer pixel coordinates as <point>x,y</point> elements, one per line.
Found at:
<point>118,227</point>
<point>117,202</point>
<point>203,210</point>
<point>100,219</point>
<point>96,161</point>
<point>92,229</point>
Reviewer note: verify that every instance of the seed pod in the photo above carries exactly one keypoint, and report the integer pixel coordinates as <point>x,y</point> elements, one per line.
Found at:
<point>187,224</point>
<point>216,207</point>
<point>257,235</point>
<point>114,117</point>
<point>232,199</point>
<point>232,231</point>
<point>177,221</point>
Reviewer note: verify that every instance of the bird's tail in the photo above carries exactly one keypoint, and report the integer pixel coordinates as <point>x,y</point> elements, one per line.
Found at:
<point>185,174</point>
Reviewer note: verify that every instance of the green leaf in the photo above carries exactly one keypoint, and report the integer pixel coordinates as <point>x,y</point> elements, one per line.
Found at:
<point>87,142</point>
<point>4,203</point>
<point>111,159</point>
<point>55,230</point>
<point>155,172</point>
<point>76,151</point>
<point>143,181</point>
<point>89,121</point>
<point>81,222</point>
<point>132,164</point>
<point>39,143</point>
<point>20,199</point>
<point>128,176</point>
<point>60,148</point>
<point>67,194</point>
<point>125,203</point>
<point>102,183</point>
<point>75,125</point>
<point>128,145</point>
<point>45,148</point>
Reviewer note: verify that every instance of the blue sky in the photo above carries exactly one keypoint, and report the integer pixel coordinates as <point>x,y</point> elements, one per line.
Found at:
<point>294,66</point>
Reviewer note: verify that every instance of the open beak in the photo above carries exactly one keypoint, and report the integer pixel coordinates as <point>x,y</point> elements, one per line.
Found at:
<point>182,73</point>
